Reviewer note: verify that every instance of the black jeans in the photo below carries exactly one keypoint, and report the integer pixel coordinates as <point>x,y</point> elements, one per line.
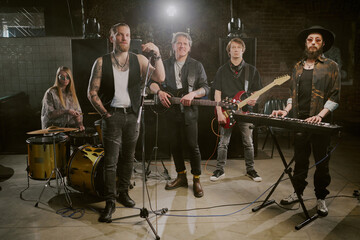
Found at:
<point>177,129</point>
<point>120,134</point>
<point>319,144</point>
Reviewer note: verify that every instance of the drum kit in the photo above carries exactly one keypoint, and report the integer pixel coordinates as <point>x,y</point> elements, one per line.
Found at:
<point>60,153</point>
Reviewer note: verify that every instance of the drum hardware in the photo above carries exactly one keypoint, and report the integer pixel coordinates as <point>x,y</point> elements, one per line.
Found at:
<point>97,125</point>
<point>81,138</point>
<point>52,131</point>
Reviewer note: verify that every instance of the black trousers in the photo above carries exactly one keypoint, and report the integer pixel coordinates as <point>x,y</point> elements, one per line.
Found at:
<point>319,145</point>
<point>177,130</point>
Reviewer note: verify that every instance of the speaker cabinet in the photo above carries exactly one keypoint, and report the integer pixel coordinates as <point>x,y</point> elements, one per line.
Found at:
<point>250,51</point>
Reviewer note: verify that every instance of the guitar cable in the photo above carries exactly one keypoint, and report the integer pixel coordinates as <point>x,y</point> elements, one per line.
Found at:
<point>215,148</point>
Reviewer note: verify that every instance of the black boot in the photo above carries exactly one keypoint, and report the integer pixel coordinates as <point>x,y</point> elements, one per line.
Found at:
<point>105,216</point>
<point>125,199</point>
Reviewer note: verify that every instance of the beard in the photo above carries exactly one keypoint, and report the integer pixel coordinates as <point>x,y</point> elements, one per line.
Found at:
<point>309,54</point>
<point>123,47</point>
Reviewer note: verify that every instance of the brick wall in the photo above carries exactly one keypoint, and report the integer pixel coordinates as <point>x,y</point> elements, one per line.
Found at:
<point>276,23</point>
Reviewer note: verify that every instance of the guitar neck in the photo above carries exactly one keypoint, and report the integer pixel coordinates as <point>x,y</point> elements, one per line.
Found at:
<point>199,102</point>
<point>256,94</point>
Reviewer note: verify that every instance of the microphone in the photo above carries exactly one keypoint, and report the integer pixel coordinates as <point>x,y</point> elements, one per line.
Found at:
<point>151,53</point>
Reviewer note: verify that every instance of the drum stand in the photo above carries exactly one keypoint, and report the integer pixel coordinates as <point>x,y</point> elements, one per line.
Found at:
<point>58,177</point>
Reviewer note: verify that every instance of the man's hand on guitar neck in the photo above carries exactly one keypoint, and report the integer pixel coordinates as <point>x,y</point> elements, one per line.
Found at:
<point>252,102</point>
<point>186,100</point>
<point>164,98</point>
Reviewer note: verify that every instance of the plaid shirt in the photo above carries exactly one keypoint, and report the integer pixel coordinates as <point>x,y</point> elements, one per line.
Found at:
<point>326,84</point>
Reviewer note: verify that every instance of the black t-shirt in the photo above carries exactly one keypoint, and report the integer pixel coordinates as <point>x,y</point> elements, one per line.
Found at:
<point>230,83</point>
<point>305,85</point>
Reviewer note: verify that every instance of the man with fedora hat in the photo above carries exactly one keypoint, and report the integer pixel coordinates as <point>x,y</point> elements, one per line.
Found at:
<point>314,95</point>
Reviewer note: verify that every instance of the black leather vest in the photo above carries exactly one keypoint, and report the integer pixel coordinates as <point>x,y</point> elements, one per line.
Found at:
<point>107,87</point>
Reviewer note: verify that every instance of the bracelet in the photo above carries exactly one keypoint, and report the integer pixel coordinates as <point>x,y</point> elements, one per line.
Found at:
<point>157,57</point>
<point>157,92</point>
<point>320,116</point>
<point>287,112</point>
<point>103,115</point>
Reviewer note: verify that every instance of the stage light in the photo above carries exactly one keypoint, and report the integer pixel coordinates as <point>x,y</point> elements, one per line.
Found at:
<point>171,11</point>
<point>235,28</point>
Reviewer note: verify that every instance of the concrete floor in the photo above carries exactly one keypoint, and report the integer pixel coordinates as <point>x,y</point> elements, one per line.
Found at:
<point>223,213</point>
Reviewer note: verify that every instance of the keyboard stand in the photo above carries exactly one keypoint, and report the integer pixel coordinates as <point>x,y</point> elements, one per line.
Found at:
<point>288,171</point>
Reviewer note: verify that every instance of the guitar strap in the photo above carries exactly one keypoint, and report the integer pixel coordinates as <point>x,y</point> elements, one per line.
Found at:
<point>191,77</point>
<point>246,84</point>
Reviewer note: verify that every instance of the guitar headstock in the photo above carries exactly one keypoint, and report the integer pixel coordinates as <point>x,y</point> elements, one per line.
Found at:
<point>280,80</point>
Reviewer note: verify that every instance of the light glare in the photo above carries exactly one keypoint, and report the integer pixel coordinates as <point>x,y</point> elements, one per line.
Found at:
<point>171,11</point>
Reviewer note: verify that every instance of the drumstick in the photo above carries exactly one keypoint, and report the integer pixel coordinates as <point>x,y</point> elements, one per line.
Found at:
<point>93,113</point>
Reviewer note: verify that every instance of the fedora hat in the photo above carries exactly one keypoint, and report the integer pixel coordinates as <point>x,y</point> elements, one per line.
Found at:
<point>328,36</point>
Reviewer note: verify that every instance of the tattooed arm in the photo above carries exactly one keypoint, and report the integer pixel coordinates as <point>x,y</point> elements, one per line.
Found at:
<point>94,86</point>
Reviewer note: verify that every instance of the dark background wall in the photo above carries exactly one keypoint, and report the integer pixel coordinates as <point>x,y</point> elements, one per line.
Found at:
<point>273,23</point>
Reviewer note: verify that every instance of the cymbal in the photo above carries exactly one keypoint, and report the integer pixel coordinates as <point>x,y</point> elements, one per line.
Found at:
<point>52,129</point>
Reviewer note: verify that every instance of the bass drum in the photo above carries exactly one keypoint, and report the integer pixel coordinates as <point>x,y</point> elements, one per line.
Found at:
<point>41,155</point>
<point>85,170</point>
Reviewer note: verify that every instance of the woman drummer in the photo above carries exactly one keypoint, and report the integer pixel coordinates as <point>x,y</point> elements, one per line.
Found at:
<point>60,105</point>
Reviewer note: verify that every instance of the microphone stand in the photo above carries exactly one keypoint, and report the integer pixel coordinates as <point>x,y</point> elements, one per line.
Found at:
<point>155,148</point>
<point>144,213</point>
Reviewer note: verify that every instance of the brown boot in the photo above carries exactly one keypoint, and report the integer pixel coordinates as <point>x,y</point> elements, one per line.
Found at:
<point>180,181</point>
<point>198,191</point>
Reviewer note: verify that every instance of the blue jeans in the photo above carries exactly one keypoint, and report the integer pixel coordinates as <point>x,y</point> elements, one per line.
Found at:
<point>246,135</point>
<point>120,134</point>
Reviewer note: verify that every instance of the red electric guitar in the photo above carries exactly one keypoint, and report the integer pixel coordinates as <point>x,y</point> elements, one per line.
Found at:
<point>242,98</point>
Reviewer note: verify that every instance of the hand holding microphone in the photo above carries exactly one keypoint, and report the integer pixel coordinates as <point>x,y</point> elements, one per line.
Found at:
<point>152,50</point>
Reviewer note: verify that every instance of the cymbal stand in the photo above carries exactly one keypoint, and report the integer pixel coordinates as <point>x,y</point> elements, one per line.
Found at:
<point>58,177</point>
<point>28,181</point>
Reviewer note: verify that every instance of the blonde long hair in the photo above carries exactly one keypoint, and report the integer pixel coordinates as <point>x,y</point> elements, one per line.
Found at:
<point>69,88</point>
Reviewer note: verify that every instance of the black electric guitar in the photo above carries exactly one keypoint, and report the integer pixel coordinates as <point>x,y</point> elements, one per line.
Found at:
<point>159,108</point>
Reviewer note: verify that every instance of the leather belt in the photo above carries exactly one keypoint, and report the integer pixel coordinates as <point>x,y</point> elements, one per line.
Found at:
<point>123,110</point>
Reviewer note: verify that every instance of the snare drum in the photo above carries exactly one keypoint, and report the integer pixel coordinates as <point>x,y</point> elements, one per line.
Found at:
<point>41,155</point>
<point>78,139</point>
<point>97,124</point>
<point>85,170</point>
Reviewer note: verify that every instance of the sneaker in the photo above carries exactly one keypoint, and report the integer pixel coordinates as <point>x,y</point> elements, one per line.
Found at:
<point>217,175</point>
<point>321,208</point>
<point>292,198</point>
<point>254,176</point>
